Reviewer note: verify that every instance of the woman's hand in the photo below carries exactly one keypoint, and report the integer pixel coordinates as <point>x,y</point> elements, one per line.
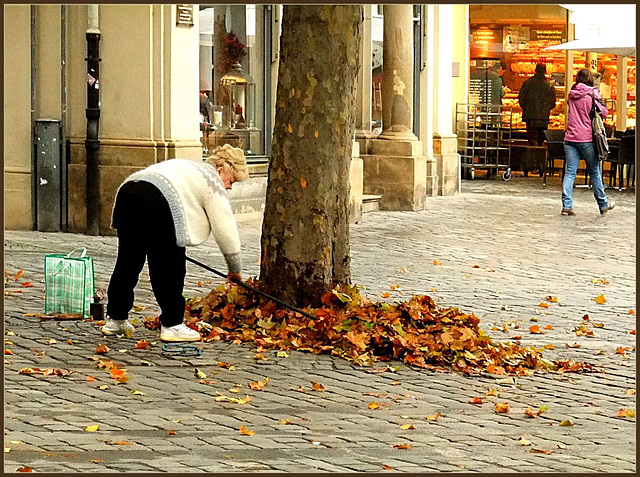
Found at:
<point>234,276</point>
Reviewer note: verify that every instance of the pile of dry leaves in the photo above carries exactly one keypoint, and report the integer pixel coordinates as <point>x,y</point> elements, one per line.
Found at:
<point>417,331</point>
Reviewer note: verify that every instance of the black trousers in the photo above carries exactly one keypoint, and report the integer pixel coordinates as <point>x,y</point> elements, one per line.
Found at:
<point>535,134</point>
<point>146,232</point>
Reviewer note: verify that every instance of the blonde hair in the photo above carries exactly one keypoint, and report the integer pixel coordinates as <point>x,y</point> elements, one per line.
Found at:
<point>230,158</point>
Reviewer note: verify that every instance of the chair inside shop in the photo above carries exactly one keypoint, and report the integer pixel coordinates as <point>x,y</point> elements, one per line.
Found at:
<point>554,140</point>
<point>627,160</point>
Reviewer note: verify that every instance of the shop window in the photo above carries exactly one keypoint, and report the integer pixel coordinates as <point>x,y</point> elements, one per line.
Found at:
<point>232,77</point>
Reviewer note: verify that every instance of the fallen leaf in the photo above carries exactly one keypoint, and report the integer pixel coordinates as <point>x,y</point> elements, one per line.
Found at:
<point>171,432</point>
<point>199,374</point>
<point>631,312</point>
<point>96,461</point>
<point>303,182</point>
<point>102,349</point>
<point>548,327</point>
<point>51,341</point>
<point>284,421</point>
<point>433,417</point>
<point>475,266</point>
<point>207,381</point>
<point>626,413</point>
<point>121,443</point>
<point>91,379</point>
<point>387,467</point>
<point>246,432</point>
<point>540,451</point>
<point>373,405</point>
<point>282,354</point>
<point>574,345</point>
<point>523,441</point>
<point>116,372</point>
<point>544,305</point>
<point>535,329</point>
<point>530,413</point>
<point>600,281</point>
<point>405,427</point>
<point>501,407</point>
<point>317,387</point>
<point>476,400</point>
<point>435,262</point>
<point>18,275</point>
<point>549,346</point>
<point>27,285</point>
<point>135,392</point>
<point>7,351</point>
<point>492,392</point>
<point>551,299</point>
<point>402,446</point>
<point>600,299</point>
<point>566,422</point>
<point>103,387</point>
<point>631,391</point>
<point>142,344</point>
<point>24,468</point>
<point>93,428</point>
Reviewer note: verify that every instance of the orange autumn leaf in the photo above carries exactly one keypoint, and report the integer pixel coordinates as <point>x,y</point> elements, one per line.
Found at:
<point>316,134</point>
<point>502,407</point>
<point>116,372</point>
<point>18,275</point>
<point>246,432</point>
<point>8,351</point>
<point>574,345</point>
<point>102,349</point>
<point>549,346</point>
<point>535,329</point>
<point>544,305</point>
<point>435,262</point>
<point>551,299</point>
<point>385,295</point>
<point>476,400</point>
<point>385,466</point>
<point>303,182</point>
<point>493,369</point>
<point>548,327</point>
<point>433,417</point>
<point>142,344</point>
<point>171,432</point>
<point>373,405</point>
<point>27,285</point>
<point>122,380</point>
<point>121,443</point>
<point>631,312</point>
<point>91,379</point>
<point>402,446</point>
<point>289,129</point>
<point>259,385</point>
<point>541,451</point>
<point>600,299</point>
<point>632,332</point>
<point>317,387</point>
<point>24,468</point>
<point>530,413</point>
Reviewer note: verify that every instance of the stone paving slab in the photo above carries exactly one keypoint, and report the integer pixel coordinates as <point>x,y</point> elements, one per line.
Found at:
<point>501,248</point>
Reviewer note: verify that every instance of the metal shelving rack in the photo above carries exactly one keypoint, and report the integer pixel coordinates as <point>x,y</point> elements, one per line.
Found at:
<point>484,138</point>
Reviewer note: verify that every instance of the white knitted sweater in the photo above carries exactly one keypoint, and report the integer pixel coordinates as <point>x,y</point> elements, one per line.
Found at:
<point>198,203</point>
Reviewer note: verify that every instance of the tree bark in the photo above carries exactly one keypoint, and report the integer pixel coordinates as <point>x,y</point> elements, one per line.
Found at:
<point>305,233</point>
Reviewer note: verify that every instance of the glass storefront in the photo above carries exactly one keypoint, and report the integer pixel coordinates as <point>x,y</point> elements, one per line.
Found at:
<point>233,84</point>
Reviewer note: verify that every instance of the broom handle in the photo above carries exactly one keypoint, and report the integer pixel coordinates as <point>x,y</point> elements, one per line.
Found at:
<point>249,287</point>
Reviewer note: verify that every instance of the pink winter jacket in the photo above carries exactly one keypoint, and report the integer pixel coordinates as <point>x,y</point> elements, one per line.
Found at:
<point>579,123</point>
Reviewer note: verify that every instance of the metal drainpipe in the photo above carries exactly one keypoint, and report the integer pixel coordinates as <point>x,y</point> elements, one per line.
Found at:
<point>34,188</point>
<point>64,212</point>
<point>92,142</point>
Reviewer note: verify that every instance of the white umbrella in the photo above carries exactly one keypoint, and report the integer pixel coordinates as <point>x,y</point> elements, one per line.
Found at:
<point>611,46</point>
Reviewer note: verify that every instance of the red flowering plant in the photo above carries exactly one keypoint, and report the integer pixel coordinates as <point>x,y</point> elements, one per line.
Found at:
<point>229,49</point>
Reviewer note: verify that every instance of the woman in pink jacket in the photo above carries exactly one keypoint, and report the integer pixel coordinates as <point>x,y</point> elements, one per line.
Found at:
<point>578,142</point>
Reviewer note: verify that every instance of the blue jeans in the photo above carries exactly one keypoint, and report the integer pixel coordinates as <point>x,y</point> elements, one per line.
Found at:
<point>574,152</point>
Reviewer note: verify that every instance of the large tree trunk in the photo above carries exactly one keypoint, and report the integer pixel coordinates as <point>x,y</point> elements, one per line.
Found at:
<point>305,233</point>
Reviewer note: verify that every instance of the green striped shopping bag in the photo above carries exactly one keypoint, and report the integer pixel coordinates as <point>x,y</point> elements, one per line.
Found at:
<point>69,284</point>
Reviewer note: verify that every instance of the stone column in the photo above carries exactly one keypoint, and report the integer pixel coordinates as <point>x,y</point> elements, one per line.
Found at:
<point>364,135</point>
<point>445,145</point>
<point>397,79</point>
<point>396,167</point>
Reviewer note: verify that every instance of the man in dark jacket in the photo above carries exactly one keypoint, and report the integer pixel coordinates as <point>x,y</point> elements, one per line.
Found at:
<point>537,98</point>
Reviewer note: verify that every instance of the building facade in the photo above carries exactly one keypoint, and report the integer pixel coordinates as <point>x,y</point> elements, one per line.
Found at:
<point>178,80</point>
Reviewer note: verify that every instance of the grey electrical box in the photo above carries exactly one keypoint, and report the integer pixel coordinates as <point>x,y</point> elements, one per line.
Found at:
<point>49,174</point>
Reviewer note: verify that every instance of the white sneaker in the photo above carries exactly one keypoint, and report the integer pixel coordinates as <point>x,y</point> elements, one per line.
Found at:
<point>178,333</point>
<point>117,327</point>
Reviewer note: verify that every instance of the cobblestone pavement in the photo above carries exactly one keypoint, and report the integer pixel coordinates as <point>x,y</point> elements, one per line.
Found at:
<point>501,248</point>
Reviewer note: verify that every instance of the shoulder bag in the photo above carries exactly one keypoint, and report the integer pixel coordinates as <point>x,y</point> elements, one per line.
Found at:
<point>600,143</point>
